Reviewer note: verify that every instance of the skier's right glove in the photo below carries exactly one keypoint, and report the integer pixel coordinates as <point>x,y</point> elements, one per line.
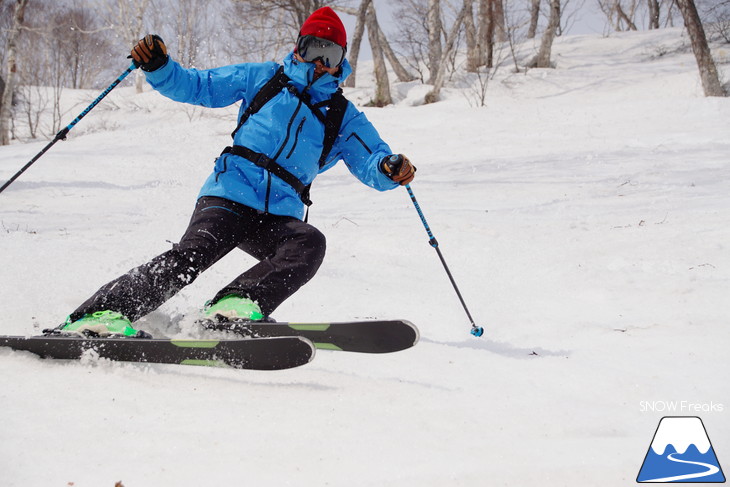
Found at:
<point>149,53</point>
<point>398,168</point>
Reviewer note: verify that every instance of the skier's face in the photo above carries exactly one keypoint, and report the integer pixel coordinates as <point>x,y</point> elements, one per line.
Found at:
<point>319,68</point>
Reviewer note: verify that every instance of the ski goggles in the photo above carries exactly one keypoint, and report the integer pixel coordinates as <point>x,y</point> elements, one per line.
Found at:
<point>312,48</point>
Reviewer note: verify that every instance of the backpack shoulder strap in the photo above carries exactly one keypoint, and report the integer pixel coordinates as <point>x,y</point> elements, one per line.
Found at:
<point>332,123</point>
<point>268,91</point>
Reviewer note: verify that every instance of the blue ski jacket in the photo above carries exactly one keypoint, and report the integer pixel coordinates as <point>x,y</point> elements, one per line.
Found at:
<point>284,129</point>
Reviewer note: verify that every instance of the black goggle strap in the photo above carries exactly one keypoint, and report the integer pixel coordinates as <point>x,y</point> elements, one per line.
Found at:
<point>312,48</point>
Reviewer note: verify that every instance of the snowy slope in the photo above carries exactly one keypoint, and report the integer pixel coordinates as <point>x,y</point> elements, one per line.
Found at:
<point>584,214</point>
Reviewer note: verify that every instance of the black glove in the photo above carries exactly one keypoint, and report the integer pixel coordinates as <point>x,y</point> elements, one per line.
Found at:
<point>150,53</point>
<point>398,168</point>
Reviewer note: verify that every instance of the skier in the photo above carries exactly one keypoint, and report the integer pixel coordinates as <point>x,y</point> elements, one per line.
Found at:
<point>255,197</point>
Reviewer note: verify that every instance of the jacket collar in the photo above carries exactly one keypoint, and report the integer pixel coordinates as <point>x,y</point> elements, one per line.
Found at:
<point>302,75</point>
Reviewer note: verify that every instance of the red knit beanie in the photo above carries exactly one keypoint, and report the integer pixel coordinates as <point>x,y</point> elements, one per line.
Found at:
<point>325,24</point>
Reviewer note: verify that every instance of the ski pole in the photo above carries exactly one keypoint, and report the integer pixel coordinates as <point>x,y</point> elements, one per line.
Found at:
<point>61,135</point>
<point>477,331</point>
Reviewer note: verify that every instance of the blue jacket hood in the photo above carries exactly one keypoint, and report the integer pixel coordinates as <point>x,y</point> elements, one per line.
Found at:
<point>302,75</point>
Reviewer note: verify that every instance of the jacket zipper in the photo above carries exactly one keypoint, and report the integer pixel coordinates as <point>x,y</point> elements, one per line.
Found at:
<point>278,153</point>
<point>296,137</point>
<point>362,142</point>
<point>288,130</point>
<point>268,191</point>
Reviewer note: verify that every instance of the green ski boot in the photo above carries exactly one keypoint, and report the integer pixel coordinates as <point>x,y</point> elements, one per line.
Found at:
<point>103,324</point>
<point>233,307</point>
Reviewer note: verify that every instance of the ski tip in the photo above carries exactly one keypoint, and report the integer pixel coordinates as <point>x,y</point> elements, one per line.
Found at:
<point>305,351</point>
<point>311,345</point>
<point>416,332</point>
<point>477,331</point>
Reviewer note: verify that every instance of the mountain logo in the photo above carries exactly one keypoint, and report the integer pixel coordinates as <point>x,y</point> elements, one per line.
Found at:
<point>681,452</point>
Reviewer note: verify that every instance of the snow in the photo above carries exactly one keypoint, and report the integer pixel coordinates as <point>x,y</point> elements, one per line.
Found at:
<point>583,213</point>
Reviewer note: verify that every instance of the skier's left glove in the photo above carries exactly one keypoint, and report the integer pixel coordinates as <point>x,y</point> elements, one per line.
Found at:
<point>398,168</point>
<point>150,53</point>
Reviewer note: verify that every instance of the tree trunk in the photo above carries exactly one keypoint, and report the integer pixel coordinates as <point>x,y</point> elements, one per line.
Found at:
<point>2,90</point>
<point>382,86</point>
<point>472,44</point>
<point>500,24</point>
<point>400,71</point>
<point>137,28</point>
<point>622,15</point>
<point>434,95</point>
<point>11,71</point>
<point>653,14</point>
<point>356,40</point>
<point>534,18</point>
<point>484,19</point>
<point>708,72</point>
<point>543,56</point>
<point>434,38</point>
<point>490,28</point>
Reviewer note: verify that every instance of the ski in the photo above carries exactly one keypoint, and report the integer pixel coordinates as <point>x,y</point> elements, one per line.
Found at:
<point>371,336</point>
<point>249,353</point>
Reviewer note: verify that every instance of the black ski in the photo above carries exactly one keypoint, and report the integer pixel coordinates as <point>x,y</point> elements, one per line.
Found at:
<point>250,353</point>
<point>371,336</point>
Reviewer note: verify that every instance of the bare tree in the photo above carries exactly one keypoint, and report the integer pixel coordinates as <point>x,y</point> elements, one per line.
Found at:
<point>190,26</point>
<point>434,38</point>
<point>620,15</point>
<point>265,30</point>
<point>127,19</point>
<point>6,15</point>
<point>7,9</point>
<point>78,35</point>
<point>50,55</point>
<point>360,15</point>
<point>260,36</point>
<point>300,9</point>
<point>489,19</point>
<point>653,6</point>
<point>296,11</point>
<point>542,60</point>
<point>500,26</point>
<point>708,71</point>
<point>356,40</point>
<point>485,31</point>
<point>10,70</point>
<point>515,21</point>
<point>624,17</point>
<point>534,17</point>
<point>382,85</point>
<point>472,44</point>
<point>400,71</point>
<point>434,95</point>
<point>716,19</point>
<point>411,37</point>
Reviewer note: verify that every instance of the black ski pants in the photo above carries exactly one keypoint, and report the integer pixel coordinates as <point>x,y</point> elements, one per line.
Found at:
<point>289,252</point>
